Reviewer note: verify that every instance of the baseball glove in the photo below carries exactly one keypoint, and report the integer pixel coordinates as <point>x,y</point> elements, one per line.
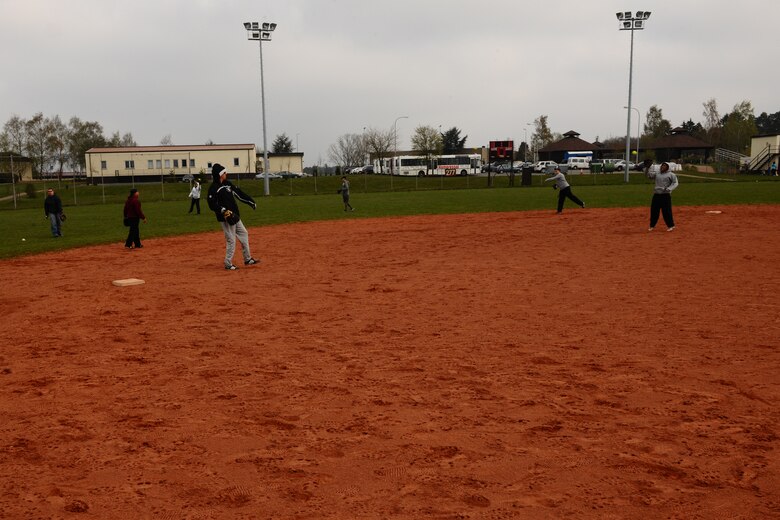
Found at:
<point>230,217</point>
<point>63,217</point>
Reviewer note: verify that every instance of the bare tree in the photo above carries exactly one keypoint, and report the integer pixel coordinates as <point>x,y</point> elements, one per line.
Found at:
<point>166,140</point>
<point>15,135</point>
<point>711,115</point>
<point>347,150</point>
<point>39,139</point>
<point>127,140</point>
<point>379,143</point>
<point>58,144</point>
<point>428,141</point>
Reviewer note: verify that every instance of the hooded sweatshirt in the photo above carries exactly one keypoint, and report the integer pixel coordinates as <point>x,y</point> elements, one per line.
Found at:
<point>222,196</point>
<point>664,182</point>
<point>560,180</point>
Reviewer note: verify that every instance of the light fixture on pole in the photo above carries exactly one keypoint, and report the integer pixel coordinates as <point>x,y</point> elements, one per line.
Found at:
<point>638,118</point>
<point>261,33</point>
<point>395,148</point>
<point>631,22</point>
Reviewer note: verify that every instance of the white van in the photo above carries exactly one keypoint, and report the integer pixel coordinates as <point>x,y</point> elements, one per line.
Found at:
<point>578,163</point>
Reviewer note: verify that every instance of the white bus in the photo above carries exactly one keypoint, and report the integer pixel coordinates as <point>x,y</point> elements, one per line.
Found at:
<point>418,165</point>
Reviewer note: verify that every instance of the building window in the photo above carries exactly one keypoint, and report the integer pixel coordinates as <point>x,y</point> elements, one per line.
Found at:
<point>192,163</point>
<point>209,165</point>
<point>159,164</point>
<point>150,164</point>
<point>184,163</point>
<point>235,161</point>
<point>167,163</point>
<point>102,165</point>
<point>175,163</point>
<point>129,165</point>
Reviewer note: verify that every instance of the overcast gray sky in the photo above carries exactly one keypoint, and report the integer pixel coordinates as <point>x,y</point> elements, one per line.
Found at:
<point>185,67</point>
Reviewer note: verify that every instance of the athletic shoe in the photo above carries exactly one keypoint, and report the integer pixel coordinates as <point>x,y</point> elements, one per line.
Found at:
<point>251,261</point>
<point>231,267</point>
<point>583,205</point>
<point>671,229</point>
<point>650,229</point>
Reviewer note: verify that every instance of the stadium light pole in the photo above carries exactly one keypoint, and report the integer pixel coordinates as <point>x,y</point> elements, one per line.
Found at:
<point>638,119</point>
<point>630,22</point>
<point>395,147</point>
<point>262,33</point>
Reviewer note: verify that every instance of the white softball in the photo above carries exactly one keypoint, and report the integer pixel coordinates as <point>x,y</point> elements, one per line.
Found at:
<point>24,240</point>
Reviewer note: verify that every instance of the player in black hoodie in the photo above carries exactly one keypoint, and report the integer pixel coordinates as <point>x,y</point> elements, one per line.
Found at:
<point>222,201</point>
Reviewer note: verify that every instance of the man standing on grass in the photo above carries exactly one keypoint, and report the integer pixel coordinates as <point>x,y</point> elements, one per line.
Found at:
<point>52,208</point>
<point>222,201</point>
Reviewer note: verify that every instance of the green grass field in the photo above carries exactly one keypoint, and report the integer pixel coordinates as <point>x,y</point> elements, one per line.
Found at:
<point>95,212</point>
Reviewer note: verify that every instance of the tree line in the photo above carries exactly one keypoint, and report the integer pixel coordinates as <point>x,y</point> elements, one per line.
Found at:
<point>355,149</point>
<point>53,145</point>
<point>732,131</point>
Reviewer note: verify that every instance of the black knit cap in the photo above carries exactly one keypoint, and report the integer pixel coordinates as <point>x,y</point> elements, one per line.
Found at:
<point>216,170</point>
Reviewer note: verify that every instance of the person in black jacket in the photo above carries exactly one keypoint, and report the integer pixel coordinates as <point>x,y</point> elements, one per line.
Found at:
<point>52,208</point>
<point>222,201</point>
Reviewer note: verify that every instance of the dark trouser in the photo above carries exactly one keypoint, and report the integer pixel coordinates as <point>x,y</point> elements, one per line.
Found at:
<point>566,192</point>
<point>345,198</point>
<point>661,203</point>
<point>195,203</point>
<point>133,234</point>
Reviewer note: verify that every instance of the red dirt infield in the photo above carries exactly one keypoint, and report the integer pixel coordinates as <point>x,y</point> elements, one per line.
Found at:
<point>505,365</point>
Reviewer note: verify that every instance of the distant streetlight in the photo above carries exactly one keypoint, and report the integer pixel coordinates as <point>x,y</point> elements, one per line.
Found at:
<point>395,148</point>
<point>638,118</point>
<point>525,148</point>
<point>262,33</point>
<point>630,22</point>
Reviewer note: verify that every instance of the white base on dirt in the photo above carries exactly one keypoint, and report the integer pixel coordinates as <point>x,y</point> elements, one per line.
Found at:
<point>127,281</point>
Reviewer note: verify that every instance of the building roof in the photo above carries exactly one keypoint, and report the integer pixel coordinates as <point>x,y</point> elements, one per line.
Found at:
<point>571,142</point>
<point>181,148</point>
<point>679,139</point>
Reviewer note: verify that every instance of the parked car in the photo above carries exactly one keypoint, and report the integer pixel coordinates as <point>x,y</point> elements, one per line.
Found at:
<point>290,175</point>
<point>271,176</point>
<point>543,166</point>
<point>362,169</point>
<point>492,167</point>
<point>187,177</point>
<point>516,166</point>
<point>621,165</point>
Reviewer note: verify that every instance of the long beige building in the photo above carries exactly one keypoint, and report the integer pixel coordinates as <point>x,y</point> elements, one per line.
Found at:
<point>166,162</point>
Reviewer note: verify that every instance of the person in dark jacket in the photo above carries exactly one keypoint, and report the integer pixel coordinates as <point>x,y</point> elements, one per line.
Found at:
<point>222,201</point>
<point>52,208</point>
<point>134,216</point>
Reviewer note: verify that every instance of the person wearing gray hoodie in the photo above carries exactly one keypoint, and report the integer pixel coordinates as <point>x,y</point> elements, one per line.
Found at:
<point>665,183</point>
<point>564,189</point>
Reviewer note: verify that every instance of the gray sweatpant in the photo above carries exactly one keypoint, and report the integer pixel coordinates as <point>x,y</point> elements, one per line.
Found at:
<point>232,233</point>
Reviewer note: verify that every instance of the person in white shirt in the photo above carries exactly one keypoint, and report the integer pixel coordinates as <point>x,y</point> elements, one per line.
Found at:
<point>195,197</point>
